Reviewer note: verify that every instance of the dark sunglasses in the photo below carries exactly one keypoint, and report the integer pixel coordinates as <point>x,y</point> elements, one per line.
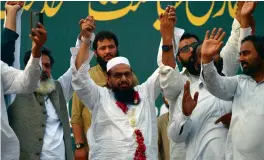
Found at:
<point>186,48</point>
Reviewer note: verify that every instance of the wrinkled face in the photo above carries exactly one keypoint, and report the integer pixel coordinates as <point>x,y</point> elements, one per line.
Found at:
<point>106,49</point>
<point>120,77</point>
<point>46,68</point>
<point>249,58</point>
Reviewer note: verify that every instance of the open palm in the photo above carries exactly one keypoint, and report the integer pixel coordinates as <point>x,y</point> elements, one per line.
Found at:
<point>212,43</point>
<point>188,103</point>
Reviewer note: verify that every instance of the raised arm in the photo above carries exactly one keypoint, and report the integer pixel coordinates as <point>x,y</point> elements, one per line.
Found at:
<point>9,35</point>
<point>221,87</point>
<point>171,80</point>
<point>16,81</point>
<point>86,89</point>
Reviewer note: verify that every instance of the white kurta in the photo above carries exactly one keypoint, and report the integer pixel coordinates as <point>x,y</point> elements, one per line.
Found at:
<point>15,81</point>
<point>111,135</point>
<point>245,138</point>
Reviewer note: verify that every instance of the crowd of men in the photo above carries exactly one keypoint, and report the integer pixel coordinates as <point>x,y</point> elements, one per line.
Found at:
<point>214,114</point>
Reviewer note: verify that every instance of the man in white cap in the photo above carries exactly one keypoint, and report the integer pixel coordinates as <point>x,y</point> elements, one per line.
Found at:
<point>124,124</point>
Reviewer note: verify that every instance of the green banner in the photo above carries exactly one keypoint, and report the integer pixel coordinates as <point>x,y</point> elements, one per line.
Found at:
<point>135,23</point>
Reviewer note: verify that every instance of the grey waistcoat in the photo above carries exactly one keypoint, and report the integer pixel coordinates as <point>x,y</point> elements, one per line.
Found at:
<point>27,117</point>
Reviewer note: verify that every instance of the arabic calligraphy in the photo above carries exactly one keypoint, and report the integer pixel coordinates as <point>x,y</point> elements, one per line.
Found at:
<point>50,9</point>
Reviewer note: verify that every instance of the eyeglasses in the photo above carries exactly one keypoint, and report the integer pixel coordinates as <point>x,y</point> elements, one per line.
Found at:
<point>119,75</point>
<point>186,48</point>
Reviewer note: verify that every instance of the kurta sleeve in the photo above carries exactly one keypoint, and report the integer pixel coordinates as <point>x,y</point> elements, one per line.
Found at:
<point>180,126</point>
<point>8,39</point>
<point>152,86</point>
<point>86,89</point>
<point>219,86</point>
<point>17,81</point>
<point>171,82</point>
<point>230,52</point>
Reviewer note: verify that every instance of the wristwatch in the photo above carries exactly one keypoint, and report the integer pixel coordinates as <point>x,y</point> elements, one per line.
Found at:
<point>167,48</point>
<point>79,145</point>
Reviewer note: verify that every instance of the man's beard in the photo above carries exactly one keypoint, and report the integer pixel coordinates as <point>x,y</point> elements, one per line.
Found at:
<point>250,69</point>
<point>102,62</point>
<point>192,70</point>
<point>125,96</point>
<point>189,65</point>
<point>46,87</point>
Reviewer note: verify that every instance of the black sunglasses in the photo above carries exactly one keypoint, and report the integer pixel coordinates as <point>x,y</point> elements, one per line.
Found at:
<point>186,48</point>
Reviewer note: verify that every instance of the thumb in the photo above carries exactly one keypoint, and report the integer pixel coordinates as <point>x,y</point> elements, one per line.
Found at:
<point>218,120</point>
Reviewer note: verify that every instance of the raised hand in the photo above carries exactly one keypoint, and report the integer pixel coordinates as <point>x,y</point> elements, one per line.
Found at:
<point>87,27</point>
<point>13,5</point>
<point>171,13</point>
<point>38,36</point>
<point>212,44</point>
<point>166,26</point>
<point>248,8</point>
<point>188,103</point>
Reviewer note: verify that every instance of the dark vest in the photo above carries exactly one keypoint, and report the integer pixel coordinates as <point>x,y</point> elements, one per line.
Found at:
<point>27,117</point>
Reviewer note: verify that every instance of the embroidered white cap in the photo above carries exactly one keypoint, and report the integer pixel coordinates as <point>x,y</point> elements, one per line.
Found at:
<point>115,61</point>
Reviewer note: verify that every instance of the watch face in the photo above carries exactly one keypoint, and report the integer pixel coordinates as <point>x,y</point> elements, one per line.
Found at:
<point>78,145</point>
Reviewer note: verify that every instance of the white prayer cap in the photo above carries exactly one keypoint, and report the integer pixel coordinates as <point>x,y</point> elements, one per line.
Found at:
<point>115,61</point>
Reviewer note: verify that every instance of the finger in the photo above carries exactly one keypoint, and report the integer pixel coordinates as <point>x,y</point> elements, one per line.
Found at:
<point>187,87</point>
<point>218,33</point>
<point>167,9</point>
<point>213,33</point>
<point>221,37</point>
<point>196,95</point>
<point>35,32</point>
<point>42,31</point>
<point>218,120</point>
<point>40,25</point>
<point>207,35</point>
<point>81,21</point>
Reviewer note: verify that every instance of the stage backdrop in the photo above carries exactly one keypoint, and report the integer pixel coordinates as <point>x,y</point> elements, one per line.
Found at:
<point>135,23</point>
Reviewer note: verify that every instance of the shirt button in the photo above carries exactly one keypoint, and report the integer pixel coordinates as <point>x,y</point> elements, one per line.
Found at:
<point>37,154</point>
<point>44,112</point>
<point>40,139</point>
<point>43,125</point>
<point>41,103</point>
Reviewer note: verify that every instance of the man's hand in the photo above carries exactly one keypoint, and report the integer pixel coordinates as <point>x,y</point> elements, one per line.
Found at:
<point>13,6</point>
<point>248,8</point>
<point>87,27</point>
<point>81,154</point>
<point>238,11</point>
<point>188,104</point>
<point>246,14</point>
<point>167,25</point>
<point>39,37</point>
<point>212,44</point>
<point>225,119</point>
<point>171,14</point>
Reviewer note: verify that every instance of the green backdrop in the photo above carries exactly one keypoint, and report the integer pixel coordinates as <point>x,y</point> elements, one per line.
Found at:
<point>135,24</point>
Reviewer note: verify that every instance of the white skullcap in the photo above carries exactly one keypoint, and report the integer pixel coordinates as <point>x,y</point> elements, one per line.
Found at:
<point>115,61</point>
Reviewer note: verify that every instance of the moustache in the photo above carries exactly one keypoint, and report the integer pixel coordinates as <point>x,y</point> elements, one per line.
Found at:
<point>44,75</point>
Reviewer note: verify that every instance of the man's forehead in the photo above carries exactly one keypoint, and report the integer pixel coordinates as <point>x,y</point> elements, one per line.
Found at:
<point>105,42</point>
<point>45,58</point>
<point>187,41</point>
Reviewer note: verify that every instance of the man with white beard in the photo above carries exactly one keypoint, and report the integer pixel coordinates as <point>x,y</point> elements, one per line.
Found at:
<point>40,119</point>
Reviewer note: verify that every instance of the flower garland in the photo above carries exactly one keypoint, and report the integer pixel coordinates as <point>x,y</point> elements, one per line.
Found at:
<point>140,153</point>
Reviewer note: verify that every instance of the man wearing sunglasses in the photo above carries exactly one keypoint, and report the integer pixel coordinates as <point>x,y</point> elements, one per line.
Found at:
<point>192,120</point>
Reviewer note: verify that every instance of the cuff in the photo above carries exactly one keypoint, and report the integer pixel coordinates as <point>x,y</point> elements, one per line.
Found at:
<point>209,67</point>
<point>236,25</point>
<point>244,32</point>
<point>34,61</point>
<point>10,34</point>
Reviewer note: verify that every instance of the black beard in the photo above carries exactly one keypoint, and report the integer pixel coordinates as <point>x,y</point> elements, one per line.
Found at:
<point>190,66</point>
<point>102,62</point>
<point>219,66</point>
<point>125,96</point>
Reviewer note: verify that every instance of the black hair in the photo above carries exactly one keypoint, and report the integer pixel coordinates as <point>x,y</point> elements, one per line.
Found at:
<point>258,42</point>
<point>44,51</point>
<point>189,35</point>
<point>100,36</point>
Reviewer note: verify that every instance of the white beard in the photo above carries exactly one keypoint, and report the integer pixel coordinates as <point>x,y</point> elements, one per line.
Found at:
<point>46,87</point>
